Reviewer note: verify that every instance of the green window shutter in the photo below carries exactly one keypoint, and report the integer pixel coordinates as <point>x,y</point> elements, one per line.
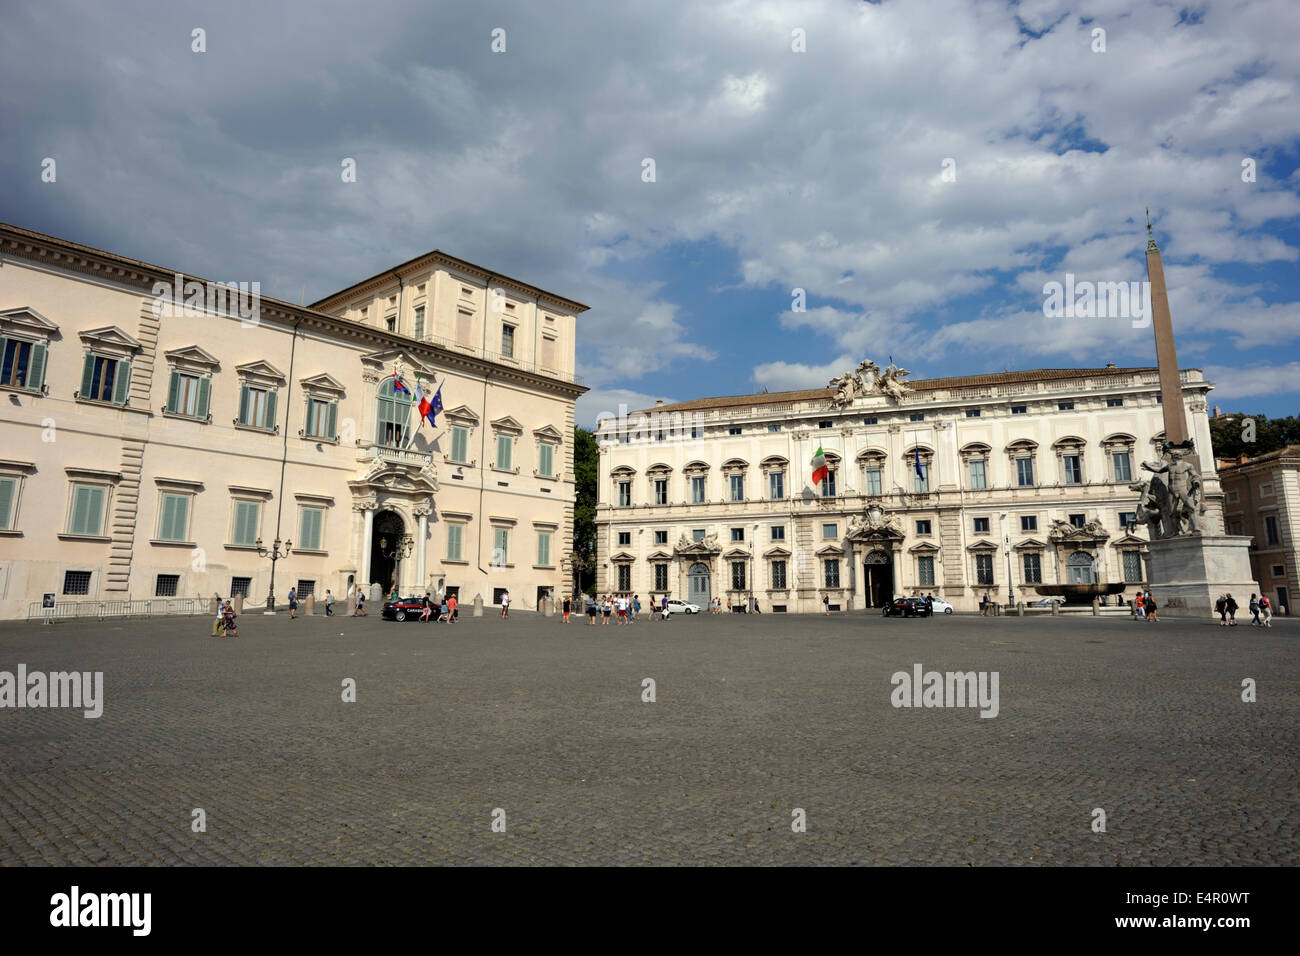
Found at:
<point>8,487</point>
<point>547,454</point>
<point>544,549</point>
<point>243,405</point>
<point>175,513</point>
<point>270,408</point>
<point>87,375</point>
<point>87,510</point>
<point>453,541</point>
<point>332,421</point>
<point>459,443</point>
<point>173,390</point>
<point>122,382</point>
<point>309,529</point>
<point>165,520</point>
<point>246,515</point>
<point>503,452</point>
<point>36,368</point>
<point>205,389</point>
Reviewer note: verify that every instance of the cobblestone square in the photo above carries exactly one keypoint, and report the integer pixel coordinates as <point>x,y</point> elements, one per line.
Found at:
<point>753,717</point>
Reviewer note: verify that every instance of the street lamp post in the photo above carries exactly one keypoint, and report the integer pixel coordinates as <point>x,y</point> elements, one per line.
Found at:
<point>275,554</point>
<point>1006,547</point>
<point>402,548</point>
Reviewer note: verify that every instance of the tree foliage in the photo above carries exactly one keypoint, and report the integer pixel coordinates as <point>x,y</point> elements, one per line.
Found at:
<point>586,464</point>
<point>1232,434</point>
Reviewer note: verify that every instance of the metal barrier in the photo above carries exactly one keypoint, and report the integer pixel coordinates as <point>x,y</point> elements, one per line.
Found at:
<point>103,610</point>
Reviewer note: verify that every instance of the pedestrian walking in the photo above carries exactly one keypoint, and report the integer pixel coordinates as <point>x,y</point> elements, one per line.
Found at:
<point>427,610</point>
<point>1266,609</point>
<point>663,607</point>
<point>216,622</point>
<point>590,606</point>
<point>444,611</point>
<point>984,606</point>
<point>453,607</point>
<point>1140,609</point>
<point>293,603</point>
<point>361,604</point>
<point>826,604</point>
<point>636,606</point>
<point>1254,610</point>
<point>1221,609</point>
<point>505,604</point>
<point>568,606</point>
<point>329,603</point>
<point>1232,611</point>
<point>228,621</point>
<point>1153,612</point>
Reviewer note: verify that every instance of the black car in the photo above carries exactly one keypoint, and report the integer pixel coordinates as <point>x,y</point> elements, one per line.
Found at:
<point>908,607</point>
<point>404,609</point>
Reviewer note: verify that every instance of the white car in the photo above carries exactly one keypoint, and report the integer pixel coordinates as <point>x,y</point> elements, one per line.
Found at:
<point>941,606</point>
<point>681,607</point>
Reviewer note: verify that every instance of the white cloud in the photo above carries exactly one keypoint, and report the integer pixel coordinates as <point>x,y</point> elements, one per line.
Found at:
<point>1244,381</point>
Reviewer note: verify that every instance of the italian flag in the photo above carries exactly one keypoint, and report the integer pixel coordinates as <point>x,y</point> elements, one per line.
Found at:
<point>820,471</point>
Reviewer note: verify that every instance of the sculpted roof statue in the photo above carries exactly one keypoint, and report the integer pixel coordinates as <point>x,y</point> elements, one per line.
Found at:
<point>867,379</point>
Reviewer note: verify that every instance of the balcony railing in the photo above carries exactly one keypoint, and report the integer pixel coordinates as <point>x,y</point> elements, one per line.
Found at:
<point>397,456</point>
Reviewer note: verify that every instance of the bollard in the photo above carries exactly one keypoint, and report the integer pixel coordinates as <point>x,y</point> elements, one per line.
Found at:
<point>1056,608</point>
<point>478,606</point>
<point>239,604</point>
<point>1020,608</point>
<point>547,606</point>
<point>309,606</point>
<point>1096,607</point>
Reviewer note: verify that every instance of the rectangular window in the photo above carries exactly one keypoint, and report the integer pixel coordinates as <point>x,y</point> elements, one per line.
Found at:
<point>505,445</point>
<point>738,575</point>
<point>257,407</point>
<point>508,341</point>
<point>661,577</point>
<point>1019,409</point>
<point>923,527</point>
<point>981,525</point>
<point>500,547</point>
<point>921,479</point>
<point>247,521</point>
<point>455,541</point>
<point>776,485</point>
<point>661,491</point>
<point>972,413</point>
<point>1266,490</point>
<point>165,585</point>
<point>984,569</point>
<point>778,575</point>
<point>23,365</point>
<point>8,496</point>
<point>737,534</point>
<point>460,444</point>
<point>1270,529</point>
<point>1132,566</point>
<point>825,424</point>
<point>418,331</point>
<point>778,532</point>
<point>830,531</point>
<point>737,483</point>
<point>916,417</point>
<point>1073,470</point>
<point>464,326</point>
<point>1123,468</point>
<point>99,378</point>
<point>239,587</point>
<point>828,485</point>
<point>322,419</point>
<point>733,431</point>
<point>76,582</point>
<point>309,528</point>
<point>390,323</point>
<point>625,494</point>
<point>625,537</point>
<point>188,395</point>
<point>1114,403</point>
<point>832,572</point>
<point>1029,522</point>
<point>871,420</point>
<point>1279,570</point>
<point>1078,520</point>
<point>661,537</point>
<point>625,577</point>
<point>306,587</point>
<point>1025,472</point>
<point>544,548</point>
<point>697,490</point>
<point>697,534</point>
<point>546,460</point>
<point>1032,563</point>
<point>1126,518</point>
<point>925,570</point>
<point>875,483</point>
<point>774,428</point>
<point>174,514</point>
<point>87,510</point>
<point>1065,406</point>
<point>977,478</point>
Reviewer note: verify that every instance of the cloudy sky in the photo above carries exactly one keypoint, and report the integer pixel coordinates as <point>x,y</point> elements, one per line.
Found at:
<point>920,169</point>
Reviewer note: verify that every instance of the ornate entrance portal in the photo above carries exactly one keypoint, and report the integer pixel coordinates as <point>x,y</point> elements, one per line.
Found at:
<point>385,545</point>
<point>879,572</point>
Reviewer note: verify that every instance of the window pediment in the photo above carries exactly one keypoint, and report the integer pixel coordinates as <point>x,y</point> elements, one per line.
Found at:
<point>659,470</point>
<point>776,551</point>
<point>508,426</point>
<point>462,415</point>
<point>975,449</point>
<point>982,546</point>
<point>696,468</point>
<point>1069,443</point>
<point>323,385</point>
<point>775,462</point>
<point>25,321</point>
<point>192,358</point>
<point>831,550</point>
<point>260,372</point>
<point>622,471</point>
<point>734,464</point>
<point>622,558</point>
<point>1022,446</point>
<point>548,433</point>
<point>660,556</point>
<point>1119,439</point>
<point>110,338</point>
<point>1030,544</point>
<point>736,552</point>
<point>183,484</point>
<point>387,357</point>
<point>925,547</point>
<point>872,456</point>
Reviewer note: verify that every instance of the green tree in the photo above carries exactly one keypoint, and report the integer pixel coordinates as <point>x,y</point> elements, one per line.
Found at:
<point>1231,434</point>
<point>586,465</point>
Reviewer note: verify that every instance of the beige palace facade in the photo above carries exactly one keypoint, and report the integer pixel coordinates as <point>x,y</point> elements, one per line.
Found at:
<point>1262,499</point>
<point>1024,479</point>
<point>147,454</point>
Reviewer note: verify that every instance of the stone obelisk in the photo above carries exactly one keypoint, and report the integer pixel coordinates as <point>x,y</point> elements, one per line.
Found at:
<point>1171,385</point>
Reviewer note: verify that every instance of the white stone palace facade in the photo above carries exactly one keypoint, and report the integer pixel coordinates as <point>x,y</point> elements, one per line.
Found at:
<point>149,454</point>
<point>1024,479</point>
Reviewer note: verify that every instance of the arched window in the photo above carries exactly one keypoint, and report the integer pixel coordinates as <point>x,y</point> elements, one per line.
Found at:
<point>1081,568</point>
<point>394,412</point>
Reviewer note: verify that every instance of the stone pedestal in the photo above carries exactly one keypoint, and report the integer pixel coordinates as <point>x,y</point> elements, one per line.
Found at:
<point>1188,573</point>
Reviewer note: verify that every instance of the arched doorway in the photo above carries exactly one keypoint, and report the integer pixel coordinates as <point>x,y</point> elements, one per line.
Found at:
<point>1080,568</point>
<point>879,570</point>
<point>700,592</point>
<point>387,537</point>
<point>393,413</point>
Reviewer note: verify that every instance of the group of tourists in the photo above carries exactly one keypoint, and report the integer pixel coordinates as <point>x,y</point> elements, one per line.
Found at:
<point>623,607</point>
<point>440,612</point>
<point>1145,607</point>
<point>223,625</point>
<point>1261,610</point>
